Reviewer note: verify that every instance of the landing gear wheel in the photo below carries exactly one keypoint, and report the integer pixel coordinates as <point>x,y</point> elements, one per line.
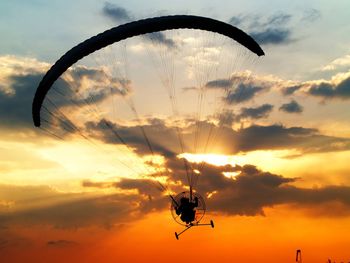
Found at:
<point>212,223</point>
<point>177,236</point>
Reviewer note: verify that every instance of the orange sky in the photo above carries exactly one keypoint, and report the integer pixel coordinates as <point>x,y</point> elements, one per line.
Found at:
<point>273,238</point>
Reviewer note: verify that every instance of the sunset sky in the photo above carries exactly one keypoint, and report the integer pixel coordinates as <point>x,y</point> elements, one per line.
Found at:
<point>268,137</point>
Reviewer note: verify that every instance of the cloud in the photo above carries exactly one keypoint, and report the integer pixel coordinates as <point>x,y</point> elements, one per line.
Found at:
<point>66,210</point>
<point>185,89</point>
<point>121,15</point>
<point>242,86</point>
<point>219,83</point>
<point>76,87</point>
<point>271,30</point>
<point>248,192</point>
<point>279,137</point>
<point>311,15</point>
<point>160,37</point>
<point>15,107</point>
<point>338,87</point>
<point>60,243</point>
<point>289,90</point>
<point>116,13</point>
<point>253,190</point>
<point>228,117</point>
<point>148,187</point>
<point>9,241</point>
<point>272,36</point>
<point>291,107</point>
<point>243,93</point>
<point>339,63</point>
<point>144,186</point>
<point>331,90</point>
<point>162,139</point>
<point>42,205</point>
<point>275,29</point>
<point>256,113</point>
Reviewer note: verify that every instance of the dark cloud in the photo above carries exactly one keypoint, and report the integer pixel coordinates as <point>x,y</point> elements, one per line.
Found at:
<point>279,137</point>
<point>227,118</point>
<point>10,241</point>
<point>219,83</point>
<point>185,89</point>
<point>116,13</point>
<point>289,90</point>
<point>165,141</point>
<point>88,183</point>
<point>272,36</point>
<point>331,90</point>
<point>253,190</point>
<point>248,192</point>
<point>272,30</point>
<point>161,138</point>
<point>62,94</point>
<point>144,186</point>
<point>88,85</point>
<point>160,37</point>
<point>336,88</point>
<point>256,113</point>
<point>74,213</point>
<point>15,108</point>
<point>238,88</point>
<point>243,93</point>
<point>291,107</point>
<point>121,15</point>
<point>236,20</point>
<point>45,206</point>
<point>147,187</point>
<point>61,243</point>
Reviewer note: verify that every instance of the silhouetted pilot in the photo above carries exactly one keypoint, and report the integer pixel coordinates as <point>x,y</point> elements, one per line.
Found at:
<point>186,209</point>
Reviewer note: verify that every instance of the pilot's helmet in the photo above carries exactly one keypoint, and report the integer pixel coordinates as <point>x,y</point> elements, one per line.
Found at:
<point>184,200</point>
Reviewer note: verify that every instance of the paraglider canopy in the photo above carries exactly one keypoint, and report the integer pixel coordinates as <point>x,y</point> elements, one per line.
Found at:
<point>86,99</point>
<point>134,29</point>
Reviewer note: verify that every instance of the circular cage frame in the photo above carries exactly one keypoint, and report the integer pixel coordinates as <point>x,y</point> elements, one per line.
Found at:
<point>200,209</point>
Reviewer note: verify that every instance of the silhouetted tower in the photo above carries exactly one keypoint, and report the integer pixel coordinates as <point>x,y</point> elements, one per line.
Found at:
<point>298,256</point>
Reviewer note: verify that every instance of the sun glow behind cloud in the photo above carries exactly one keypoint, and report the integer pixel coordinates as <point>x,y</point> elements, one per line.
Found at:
<point>264,158</point>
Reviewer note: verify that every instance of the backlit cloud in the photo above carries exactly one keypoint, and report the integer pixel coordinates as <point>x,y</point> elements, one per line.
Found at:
<point>338,87</point>
<point>21,76</point>
<point>338,63</point>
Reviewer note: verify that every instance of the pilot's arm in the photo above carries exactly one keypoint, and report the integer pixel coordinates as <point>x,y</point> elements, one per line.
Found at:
<point>178,210</point>
<point>196,201</point>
